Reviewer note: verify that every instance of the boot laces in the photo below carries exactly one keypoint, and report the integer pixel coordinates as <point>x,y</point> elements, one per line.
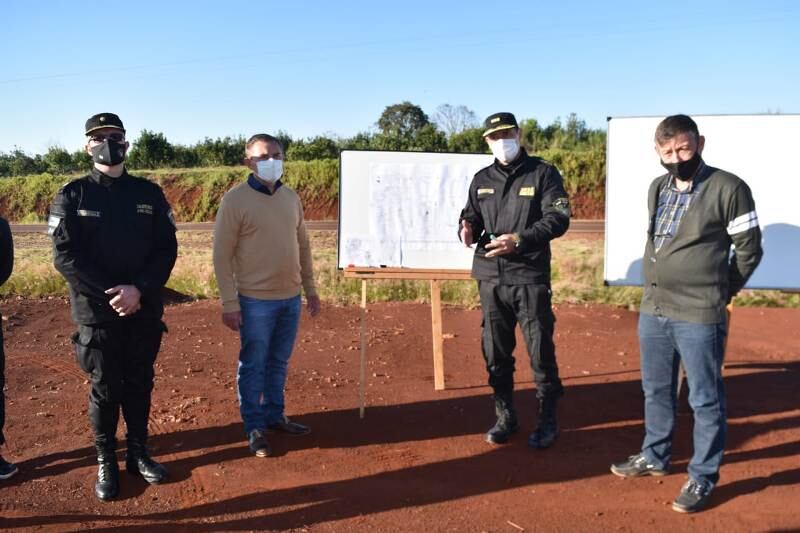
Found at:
<point>104,473</point>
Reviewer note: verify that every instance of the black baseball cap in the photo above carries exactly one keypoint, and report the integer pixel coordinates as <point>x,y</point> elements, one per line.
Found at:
<point>499,121</point>
<point>103,120</point>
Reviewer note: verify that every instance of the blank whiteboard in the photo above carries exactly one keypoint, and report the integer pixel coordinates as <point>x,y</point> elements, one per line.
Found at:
<point>401,209</point>
<point>760,149</point>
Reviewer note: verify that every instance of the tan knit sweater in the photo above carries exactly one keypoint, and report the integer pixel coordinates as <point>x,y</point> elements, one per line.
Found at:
<point>261,248</point>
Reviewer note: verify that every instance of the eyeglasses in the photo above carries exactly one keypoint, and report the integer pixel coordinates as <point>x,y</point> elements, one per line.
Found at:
<point>115,137</point>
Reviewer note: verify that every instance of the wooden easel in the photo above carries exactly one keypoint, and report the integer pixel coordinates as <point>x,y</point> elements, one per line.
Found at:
<point>435,276</point>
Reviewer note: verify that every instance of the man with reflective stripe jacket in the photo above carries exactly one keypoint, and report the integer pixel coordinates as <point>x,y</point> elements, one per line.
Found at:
<point>114,242</point>
<point>697,213</point>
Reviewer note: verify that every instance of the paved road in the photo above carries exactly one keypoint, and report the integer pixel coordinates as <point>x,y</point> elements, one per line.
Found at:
<point>576,226</point>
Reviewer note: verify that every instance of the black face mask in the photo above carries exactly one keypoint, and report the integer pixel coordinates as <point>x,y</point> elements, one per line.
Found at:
<point>108,153</point>
<point>685,169</point>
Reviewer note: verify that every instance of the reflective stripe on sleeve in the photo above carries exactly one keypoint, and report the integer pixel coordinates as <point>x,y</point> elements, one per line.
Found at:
<point>743,223</point>
<point>52,223</point>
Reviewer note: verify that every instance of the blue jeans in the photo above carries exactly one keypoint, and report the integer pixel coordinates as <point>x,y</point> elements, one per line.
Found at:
<point>268,332</point>
<point>664,343</point>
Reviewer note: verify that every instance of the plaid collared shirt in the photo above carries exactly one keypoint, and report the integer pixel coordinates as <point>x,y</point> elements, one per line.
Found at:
<point>672,206</point>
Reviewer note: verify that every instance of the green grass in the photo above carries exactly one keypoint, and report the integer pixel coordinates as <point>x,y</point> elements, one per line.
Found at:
<point>577,276</point>
<point>583,172</point>
<point>34,275</point>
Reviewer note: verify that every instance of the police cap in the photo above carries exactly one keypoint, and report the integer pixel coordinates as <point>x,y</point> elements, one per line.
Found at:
<point>103,120</point>
<point>499,121</point>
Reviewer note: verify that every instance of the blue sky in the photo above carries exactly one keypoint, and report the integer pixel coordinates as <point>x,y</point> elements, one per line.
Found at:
<point>209,69</point>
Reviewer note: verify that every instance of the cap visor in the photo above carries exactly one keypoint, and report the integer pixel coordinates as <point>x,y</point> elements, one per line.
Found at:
<point>104,127</point>
<point>498,128</point>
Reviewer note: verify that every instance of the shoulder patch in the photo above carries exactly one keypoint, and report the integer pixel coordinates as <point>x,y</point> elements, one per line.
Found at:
<point>562,205</point>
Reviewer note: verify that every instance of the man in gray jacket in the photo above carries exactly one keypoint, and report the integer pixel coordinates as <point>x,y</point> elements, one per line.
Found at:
<point>696,213</point>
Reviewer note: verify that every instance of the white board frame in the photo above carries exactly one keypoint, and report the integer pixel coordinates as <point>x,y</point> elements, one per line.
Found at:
<point>357,167</point>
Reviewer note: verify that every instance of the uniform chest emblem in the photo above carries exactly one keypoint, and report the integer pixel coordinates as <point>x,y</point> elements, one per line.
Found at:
<point>482,192</point>
<point>527,191</point>
<point>88,213</point>
<point>145,209</point>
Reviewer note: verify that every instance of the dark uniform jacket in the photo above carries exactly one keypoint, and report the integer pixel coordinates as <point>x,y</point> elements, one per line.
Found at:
<point>694,275</point>
<point>526,197</point>
<point>112,231</point>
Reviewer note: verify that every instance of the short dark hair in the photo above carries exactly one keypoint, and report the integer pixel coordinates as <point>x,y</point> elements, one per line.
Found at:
<point>674,125</point>
<point>261,138</point>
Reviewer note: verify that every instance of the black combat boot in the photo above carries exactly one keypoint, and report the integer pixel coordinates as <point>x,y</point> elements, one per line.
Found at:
<point>138,462</point>
<point>547,431</point>
<point>506,424</point>
<point>107,485</point>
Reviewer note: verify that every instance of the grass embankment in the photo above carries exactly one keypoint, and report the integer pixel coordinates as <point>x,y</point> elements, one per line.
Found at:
<point>577,276</point>
<point>194,193</point>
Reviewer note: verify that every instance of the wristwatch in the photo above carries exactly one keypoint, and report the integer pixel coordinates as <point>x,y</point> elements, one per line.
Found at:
<point>516,238</point>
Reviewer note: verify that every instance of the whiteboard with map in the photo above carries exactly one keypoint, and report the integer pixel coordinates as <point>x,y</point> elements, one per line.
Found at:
<point>401,209</point>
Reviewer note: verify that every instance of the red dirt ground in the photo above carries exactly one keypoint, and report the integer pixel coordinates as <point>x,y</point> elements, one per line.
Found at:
<point>418,461</point>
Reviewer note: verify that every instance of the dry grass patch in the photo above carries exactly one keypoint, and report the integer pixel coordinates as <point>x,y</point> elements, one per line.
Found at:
<point>577,275</point>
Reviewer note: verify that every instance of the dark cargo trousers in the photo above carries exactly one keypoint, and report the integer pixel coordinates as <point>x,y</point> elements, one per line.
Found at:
<point>119,358</point>
<point>529,305</point>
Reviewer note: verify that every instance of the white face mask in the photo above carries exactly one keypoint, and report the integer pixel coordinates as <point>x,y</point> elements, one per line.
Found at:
<point>269,170</point>
<point>505,150</point>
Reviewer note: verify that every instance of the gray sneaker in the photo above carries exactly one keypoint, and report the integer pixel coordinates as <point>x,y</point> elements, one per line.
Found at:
<point>258,443</point>
<point>636,466</point>
<point>7,469</point>
<point>694,497</point>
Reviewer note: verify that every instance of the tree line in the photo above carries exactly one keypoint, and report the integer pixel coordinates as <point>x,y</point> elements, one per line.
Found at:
<point>402,126</point>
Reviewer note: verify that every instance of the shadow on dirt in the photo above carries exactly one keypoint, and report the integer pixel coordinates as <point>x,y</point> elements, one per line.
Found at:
<point>171,297</point>
<point>586,448</point>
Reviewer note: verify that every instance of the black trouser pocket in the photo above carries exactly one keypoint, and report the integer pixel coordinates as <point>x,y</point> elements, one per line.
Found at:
<point>86,348</point>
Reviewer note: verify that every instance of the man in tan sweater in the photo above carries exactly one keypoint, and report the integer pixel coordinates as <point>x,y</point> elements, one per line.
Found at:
<point>262,258</point>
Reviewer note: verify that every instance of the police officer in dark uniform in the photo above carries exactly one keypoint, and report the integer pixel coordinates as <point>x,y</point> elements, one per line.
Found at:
<point>114,242</point>
<point>516,206</point>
